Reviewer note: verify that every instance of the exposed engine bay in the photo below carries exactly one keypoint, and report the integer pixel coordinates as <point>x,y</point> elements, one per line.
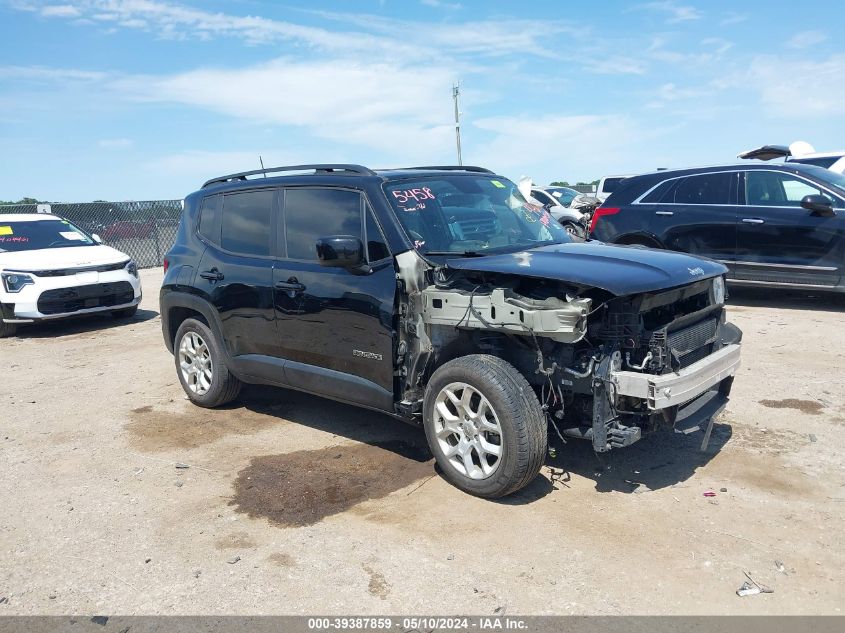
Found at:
<point>605,368</point>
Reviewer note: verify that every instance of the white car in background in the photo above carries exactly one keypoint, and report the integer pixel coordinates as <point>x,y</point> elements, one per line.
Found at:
<point>799,152</point>
<point>50,269</point>
<point>607,185</point>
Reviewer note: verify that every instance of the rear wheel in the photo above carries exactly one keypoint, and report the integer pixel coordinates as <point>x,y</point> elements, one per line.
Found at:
<point>201,366</point>
<point>7,329</point>
<point>484,425</point>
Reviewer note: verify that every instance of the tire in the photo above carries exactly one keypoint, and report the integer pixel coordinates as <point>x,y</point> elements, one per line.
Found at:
<point>576,231</point>
<point>512,405</point>
<point>209,384</point>
<point>126,313</point>
<point>7,329</point>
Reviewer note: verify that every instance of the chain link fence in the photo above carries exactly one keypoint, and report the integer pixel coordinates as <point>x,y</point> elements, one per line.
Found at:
<point>143,230</point>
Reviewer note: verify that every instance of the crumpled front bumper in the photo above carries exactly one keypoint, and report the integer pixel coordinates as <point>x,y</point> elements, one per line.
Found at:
<point>677,388</point>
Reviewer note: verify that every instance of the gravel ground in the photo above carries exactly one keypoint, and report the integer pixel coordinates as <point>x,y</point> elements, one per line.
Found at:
<point>119,496</point>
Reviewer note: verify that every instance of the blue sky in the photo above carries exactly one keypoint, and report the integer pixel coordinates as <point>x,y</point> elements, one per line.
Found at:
<point>145,99</point>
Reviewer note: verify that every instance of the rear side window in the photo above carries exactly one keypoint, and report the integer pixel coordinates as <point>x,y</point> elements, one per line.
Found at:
<point>209,224</point>
<point>610,184</point>
<point>704,189</point>
<point>246,222</point>
<point>312,213</point>
<point>663,193</point>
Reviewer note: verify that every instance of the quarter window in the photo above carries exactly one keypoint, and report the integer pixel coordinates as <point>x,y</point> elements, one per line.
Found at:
<point>209,226</point>
<point>772,189</point>
<point>312,213</point>
<point>246,222</point>
<point>376,244</point>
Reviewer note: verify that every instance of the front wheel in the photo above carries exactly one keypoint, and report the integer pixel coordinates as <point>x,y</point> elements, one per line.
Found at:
<point>575,231</point>
<point>484,425</point>
<point>201,366</point>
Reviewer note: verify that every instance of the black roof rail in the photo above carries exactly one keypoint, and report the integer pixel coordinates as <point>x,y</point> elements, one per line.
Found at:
<point>481,170</point>
<point>320,168</point>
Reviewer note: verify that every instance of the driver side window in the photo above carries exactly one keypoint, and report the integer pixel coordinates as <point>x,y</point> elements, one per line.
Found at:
<point>771,189</point>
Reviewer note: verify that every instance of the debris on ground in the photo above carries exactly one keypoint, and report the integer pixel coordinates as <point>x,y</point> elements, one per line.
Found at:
<point>182,466</point>
<point>751,587</point>
<point>233,560</point>
<point>450,557</point>
<point>723,489</point>
<point>780,566</point>
<point>709,493</point>
<point>812,437</point>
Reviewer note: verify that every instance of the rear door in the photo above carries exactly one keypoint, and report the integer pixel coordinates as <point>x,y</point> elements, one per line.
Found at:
<point>695,214</point>
<point>236,269</point>
<point>333,318</point>
<point>781,242</point>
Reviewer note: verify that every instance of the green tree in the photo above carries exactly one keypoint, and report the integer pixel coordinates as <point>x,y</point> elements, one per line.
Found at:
<point>560,183</point>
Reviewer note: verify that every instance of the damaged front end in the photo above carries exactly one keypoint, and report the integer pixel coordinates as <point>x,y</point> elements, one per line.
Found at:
<point>606,368</point>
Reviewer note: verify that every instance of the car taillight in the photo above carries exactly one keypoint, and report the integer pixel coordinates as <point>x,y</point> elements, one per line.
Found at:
<point>166,264</point>
<point>600,212</point>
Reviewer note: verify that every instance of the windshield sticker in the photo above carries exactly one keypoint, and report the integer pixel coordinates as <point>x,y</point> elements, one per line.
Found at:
<point>8,239</point>
<point>423,193</point>
<point>419,243</point>
<point>71,235</point>
<point>6,230</point>
<point>497,184</point>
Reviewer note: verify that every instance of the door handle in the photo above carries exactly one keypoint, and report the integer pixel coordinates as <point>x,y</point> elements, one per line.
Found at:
<point>290,285</point>
<point>664,213</point>
<point>753,221</point>
<point>212,275</point>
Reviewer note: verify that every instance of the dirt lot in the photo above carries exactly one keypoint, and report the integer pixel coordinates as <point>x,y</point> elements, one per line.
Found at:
<point>294,504</point>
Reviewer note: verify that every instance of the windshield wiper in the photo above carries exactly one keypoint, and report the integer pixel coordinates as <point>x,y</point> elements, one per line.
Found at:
<point>456,253</point>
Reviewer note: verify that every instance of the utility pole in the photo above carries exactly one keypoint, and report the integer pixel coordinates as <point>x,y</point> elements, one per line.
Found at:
<point>456,90</point>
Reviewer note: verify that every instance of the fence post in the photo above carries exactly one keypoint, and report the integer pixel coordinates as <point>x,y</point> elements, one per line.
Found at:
<point>159,261</point>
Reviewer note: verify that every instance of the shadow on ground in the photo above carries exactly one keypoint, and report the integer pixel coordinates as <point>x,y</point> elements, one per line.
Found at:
<point>80,325</point>
<point>657,461</point>
<point>396,455</point>
<point>787,299</point>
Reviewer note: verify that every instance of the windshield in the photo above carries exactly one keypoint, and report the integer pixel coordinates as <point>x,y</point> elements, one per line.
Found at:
<point>564,196</point>
<point>826,176</point>
<point>34,234</point>
<point>462,214</point>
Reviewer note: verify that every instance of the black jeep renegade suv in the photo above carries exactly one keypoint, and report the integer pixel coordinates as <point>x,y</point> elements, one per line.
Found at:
<point>440,296</point>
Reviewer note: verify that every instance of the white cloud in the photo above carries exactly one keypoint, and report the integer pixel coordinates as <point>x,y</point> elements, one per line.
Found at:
<point>60,11</point>
<point>362,104</point>
<point>439,4</point>
<point>571,146</point>
<point>376,36</point>
<point>799,89</point>
<point>675,12</point>
<point>806,39</point>
<point>45,74</point>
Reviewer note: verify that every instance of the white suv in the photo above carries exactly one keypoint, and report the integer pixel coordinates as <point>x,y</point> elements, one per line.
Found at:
<point>51,269</point>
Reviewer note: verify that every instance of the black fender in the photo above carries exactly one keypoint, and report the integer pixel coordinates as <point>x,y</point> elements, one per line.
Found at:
<point>170,299</point>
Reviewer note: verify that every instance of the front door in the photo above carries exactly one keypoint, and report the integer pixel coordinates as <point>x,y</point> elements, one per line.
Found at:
<point>778,241</point>
<point>333,318</point>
